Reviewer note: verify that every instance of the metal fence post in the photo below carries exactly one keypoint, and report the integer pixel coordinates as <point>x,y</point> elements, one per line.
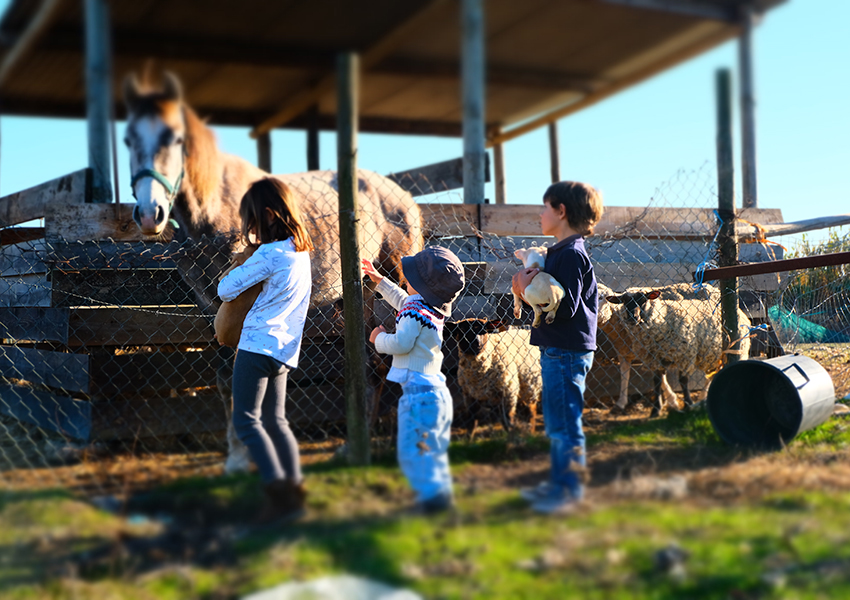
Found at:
<point>727,239</point>
<point>352,283</point>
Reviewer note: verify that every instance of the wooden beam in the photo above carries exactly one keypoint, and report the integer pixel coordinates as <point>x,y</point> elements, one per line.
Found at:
<point>777,266</point>
<point>675,58</point>
<point>31,324</point>
<point>69,372</point>
<point>748,110</point>
<point>98,78</point>
<point>264,152</point>
<point>16,235</point>
<point>554,152</point>
<point>689,8</point>
<point>32,203</point>
<point>138,327</point>
<point>495,75</point>
<point>501,177</point>
<point>35,30</point>
<point>47,410</point>
<point>473,100</point>
<point>434,178</point>
<point>302,100</point>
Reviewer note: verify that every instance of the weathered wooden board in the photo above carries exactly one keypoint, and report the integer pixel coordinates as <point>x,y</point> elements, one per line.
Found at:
<point>154,416</point>
<point>34,324</point>
<point>138,326</point>
<point>149,287</point>
<point>26,258</point>
<point>153,371</point>
<point>105,254</point>
<point>69,372</point>
<point>25,290</point>
<point>442,220</point>
<point>16,235</point>
<point>63,414</point>
<point>33,203</point>
<point>438,177</point>
<point>91,222</point>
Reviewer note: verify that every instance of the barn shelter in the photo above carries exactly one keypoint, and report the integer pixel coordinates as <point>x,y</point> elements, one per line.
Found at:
<point>472,69</point>
<point>271,64</point>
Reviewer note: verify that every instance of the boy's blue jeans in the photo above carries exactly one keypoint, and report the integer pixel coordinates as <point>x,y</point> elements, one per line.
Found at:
<point>564,373</point>
<point>424,430</point>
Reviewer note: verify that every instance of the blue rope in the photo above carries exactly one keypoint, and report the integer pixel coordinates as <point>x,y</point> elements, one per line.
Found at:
<point>706,263</point>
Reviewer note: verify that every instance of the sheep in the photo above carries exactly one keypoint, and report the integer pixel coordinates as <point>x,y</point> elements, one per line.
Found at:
<point>623,341</point>
<point>497,367</point>
<point>685,334</point>
<point>544,293</point>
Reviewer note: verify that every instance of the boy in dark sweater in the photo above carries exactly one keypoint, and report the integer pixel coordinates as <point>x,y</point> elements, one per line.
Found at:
<point>570,210</point>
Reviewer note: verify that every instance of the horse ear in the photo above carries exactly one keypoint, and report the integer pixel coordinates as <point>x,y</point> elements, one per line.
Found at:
<point>131,91</point>
<point>171,88</point>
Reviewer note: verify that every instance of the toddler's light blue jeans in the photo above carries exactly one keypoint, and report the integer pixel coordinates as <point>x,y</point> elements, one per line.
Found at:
<point>424,431</point>
<point>564,374</point>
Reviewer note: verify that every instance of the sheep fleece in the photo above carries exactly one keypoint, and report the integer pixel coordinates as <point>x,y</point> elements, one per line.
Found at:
<point>505,373</point>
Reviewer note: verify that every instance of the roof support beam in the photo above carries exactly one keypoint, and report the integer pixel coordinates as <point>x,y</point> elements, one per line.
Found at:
<point>304,99</point>
<point>691,8</point>
<point>29,38</point>
<point>682,55</point>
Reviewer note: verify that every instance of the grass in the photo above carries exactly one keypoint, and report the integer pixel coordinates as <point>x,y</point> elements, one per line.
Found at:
<point>789,544</point>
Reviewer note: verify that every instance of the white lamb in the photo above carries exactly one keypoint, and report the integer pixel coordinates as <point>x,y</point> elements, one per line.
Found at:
<point>497,367</point>
<point>544,293</point>
<point>683,334</point>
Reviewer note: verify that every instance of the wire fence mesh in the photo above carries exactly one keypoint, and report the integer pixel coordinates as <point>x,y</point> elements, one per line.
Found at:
<point>110,376</point>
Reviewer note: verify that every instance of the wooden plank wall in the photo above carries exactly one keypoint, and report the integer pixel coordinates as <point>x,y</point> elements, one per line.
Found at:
<point>128,389</point>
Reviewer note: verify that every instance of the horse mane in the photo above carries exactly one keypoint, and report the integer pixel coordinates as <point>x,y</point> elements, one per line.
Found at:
<point>202,162</point>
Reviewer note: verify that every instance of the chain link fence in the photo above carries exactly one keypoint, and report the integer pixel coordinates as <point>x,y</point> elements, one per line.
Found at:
<point>110,377</point>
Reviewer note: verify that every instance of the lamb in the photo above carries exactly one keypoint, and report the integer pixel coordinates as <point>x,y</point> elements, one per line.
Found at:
<point>497,367</point>
<point>686,334</point>
<point>231,315</point>
<point>544,293</point>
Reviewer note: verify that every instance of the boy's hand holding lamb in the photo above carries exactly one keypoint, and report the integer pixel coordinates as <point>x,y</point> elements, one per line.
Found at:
<point>543,293</point>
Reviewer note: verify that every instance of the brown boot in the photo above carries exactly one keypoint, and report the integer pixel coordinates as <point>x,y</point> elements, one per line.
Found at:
<point>284,501</point>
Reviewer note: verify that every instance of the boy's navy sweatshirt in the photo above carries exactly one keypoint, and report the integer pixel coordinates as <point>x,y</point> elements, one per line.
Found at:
<point>574,327</point>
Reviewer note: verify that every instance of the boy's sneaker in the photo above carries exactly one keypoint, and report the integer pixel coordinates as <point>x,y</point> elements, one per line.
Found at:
<point>554,505</point>
<point>538,492</point>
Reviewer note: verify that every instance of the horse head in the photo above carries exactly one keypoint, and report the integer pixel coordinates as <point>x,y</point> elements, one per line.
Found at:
<point>155,136</point>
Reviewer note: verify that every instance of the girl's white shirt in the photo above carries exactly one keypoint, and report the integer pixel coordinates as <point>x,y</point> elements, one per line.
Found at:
<point>275,324</point>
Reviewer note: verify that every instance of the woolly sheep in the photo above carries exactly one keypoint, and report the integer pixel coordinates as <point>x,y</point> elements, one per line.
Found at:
<point>685,334</point>
<point>497,367</point>
<point>544,293</point>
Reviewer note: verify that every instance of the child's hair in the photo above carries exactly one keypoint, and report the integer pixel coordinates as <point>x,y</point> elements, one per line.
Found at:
<point>582,204</point>
<point>273,194</point>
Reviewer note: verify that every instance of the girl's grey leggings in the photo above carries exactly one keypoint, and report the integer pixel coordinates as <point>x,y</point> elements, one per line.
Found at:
<point>259,416</point>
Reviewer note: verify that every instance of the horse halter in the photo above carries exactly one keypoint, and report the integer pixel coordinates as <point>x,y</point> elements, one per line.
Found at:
<point>163,180</point>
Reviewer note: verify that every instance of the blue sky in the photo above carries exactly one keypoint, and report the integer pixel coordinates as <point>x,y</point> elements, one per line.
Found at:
<point>627,145</point>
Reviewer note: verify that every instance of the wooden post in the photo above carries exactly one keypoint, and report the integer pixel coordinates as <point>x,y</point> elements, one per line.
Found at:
<point>499,168</point>
<point>352,283</point>
<point>748,109</point>
<point>472,75</point>
<point>554,155</point>
<point>264,151</point>
<point>727,240</point>
<point>98,98</point>
<point>313,138</point>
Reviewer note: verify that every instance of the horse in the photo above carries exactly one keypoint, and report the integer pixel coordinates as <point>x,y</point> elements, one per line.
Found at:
<point>181,178</point>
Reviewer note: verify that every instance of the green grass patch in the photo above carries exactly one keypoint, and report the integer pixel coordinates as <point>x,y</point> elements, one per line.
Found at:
<point>680,429</point>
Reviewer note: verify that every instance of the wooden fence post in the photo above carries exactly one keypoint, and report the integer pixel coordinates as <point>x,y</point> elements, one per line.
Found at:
<point>748,109</point>
<point>554,153</point>
<point>727,240</point>
<point>98,98</point>
<point>313,138</point>
<point>472,84</point>
<point>499,173</point>
<point>264,151</point>
<point>352,283</point>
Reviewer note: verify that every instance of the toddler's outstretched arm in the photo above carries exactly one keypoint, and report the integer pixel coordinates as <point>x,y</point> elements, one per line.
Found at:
<point>370,270</point>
